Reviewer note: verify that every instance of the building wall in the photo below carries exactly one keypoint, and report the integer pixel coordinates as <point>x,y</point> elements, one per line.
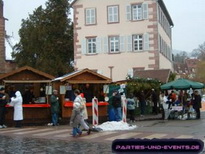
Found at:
<point>164,63</point>
<point>6,65</point>
<point>2,39</point>
<point>125,60</point>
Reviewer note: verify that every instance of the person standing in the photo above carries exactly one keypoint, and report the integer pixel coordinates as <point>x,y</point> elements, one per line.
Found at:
<point>88,93</point>
<point>2,108</point>
<point>165,105</point>
<point>28,96</point>
<point>55,107</point>
<point>116,102</point>
<point>142,103</point>
<point>172,98</point>
<point>75,119</point>
<point>197,104</point>
<point>84,108</point>
<point>16,102</point>
<point>111,111</point>
<point>131,104</point>
<point>79,100</point>
<point>154,100</point>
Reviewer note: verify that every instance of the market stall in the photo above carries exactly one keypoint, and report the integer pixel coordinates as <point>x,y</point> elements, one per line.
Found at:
<point>88,82</point>
<point>184,109</point>
<point>35,87</point>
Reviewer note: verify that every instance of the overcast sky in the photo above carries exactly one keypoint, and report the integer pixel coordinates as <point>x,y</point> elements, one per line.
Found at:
<point>187,15</point>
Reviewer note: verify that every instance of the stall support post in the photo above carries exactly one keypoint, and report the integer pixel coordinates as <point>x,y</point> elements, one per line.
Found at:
<point>95,111</point>
<point>124,108</point>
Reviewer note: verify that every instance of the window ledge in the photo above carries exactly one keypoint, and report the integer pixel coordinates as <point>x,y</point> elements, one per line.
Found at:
<point>91,54</point>
<point>115,52</point>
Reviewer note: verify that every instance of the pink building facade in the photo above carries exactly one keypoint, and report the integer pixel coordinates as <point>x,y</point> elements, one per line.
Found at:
<point>117,37</point>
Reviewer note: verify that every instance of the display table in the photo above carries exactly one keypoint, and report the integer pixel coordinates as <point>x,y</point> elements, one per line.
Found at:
<point>102,110</point>
<point>33,114</point>
<point>177,108</point>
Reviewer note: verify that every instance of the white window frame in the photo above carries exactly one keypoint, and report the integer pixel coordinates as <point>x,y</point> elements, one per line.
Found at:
<point>114,44</point>
<point>91,45</point>
<point>137,12</point>
<point>137,41</point>
<point>90,16</point>
<point>113,14</point>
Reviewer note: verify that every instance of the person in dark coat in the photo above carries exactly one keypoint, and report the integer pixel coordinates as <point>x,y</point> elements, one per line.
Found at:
<point>117,105</point>
<point>28,96</point>
<point>88,93</point>
<point>55,107</point>
<point>197,104</point>
<point>3,103</point>
<point>154,100</point>
<point>142,103</point>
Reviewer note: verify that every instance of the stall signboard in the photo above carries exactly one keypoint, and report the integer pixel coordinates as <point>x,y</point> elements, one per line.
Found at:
<point>69,87</point>
<point>106,89</point>
<point>48,90</point>
<point>62,89</point>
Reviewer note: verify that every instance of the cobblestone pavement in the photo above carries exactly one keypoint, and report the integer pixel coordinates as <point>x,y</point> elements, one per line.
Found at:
<point>63,133</point>
<point>19,145</point>
<point>50,140</point>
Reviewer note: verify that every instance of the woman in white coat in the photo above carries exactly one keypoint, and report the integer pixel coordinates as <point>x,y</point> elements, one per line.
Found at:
<point>18,109</point>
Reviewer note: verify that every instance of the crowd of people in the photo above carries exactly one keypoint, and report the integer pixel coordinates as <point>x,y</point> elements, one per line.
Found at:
<point>162,103</point>
<point>79,118</point>
<point>189,103</point>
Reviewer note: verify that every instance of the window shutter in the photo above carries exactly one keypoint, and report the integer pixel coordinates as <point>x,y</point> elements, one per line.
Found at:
<point>98,44</point>
<point>83,46</point>
<point>145,10</point>
<point>105,44</point>
<point>122,44</point>
<point>116,14</point>
<point>128,12</point>
<point>129,43</point>
<point>146,41</point>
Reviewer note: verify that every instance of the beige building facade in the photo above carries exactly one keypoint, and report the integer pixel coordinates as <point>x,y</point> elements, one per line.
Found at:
<point>117,37</point>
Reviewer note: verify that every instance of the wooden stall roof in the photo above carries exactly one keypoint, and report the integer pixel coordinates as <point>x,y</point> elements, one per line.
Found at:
<point>83,76</point>
<point>26,74</point>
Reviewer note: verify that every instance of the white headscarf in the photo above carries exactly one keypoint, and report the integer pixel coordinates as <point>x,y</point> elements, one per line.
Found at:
<point>18,97</point>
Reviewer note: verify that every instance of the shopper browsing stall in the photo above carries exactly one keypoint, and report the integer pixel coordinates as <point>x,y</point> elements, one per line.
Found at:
<point>2,108</point>
<point>18,109</point>
<point>55,107</point>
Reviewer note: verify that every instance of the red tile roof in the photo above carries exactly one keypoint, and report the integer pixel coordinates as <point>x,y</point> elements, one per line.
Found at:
<point>162,75</point>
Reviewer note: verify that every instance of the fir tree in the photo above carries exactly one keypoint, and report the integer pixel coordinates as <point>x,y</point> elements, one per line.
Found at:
<point>46,39</point>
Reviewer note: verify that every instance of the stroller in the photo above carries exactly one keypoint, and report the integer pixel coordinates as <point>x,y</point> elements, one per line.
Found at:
<point>188,111</point>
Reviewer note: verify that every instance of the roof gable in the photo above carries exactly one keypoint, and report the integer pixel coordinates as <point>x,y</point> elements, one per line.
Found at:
<point>83,76</point>
<point>26,73</point>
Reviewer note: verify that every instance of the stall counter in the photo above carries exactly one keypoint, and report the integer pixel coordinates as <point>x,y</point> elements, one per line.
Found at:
<point>102,110</point>
<point>33,114</point>
<point>32,105</point>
